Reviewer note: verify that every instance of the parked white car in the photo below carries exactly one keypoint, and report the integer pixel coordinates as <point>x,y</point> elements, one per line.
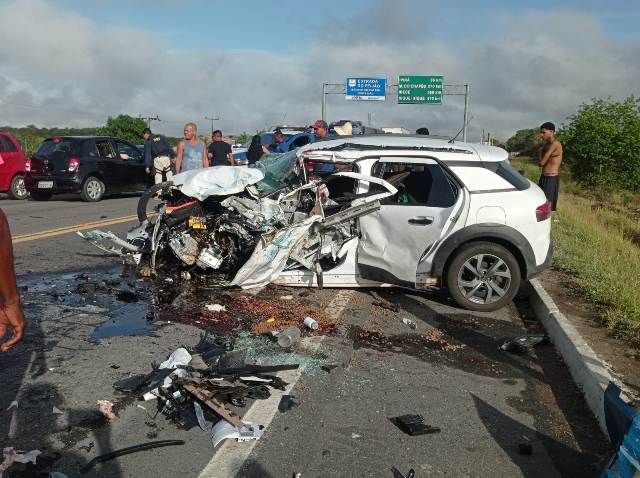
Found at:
<point>463,218</point>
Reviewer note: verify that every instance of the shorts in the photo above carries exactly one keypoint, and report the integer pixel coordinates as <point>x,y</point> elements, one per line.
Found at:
<point>551,187</point>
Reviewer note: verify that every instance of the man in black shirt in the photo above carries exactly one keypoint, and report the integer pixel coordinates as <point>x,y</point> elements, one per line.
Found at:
<point>157,155</point>
<point>219,151</point>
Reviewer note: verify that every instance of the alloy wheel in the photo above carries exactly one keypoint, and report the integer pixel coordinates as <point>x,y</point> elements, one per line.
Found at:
<point>484,278</point>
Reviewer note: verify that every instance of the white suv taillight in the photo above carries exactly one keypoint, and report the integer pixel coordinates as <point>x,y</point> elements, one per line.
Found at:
<point>27,165</point>
<point>74,164</point>
<point>543,211</point>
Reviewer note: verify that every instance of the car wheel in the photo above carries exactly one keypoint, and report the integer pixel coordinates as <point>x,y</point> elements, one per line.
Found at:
<point>483,276</point>
<point>159,188</point>
<point>41,195</point>
<point>92,189</point>
<point>18,190</point>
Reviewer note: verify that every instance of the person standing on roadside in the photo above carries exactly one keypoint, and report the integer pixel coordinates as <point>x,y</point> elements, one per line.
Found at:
<point>191,152</point>
<point>157,155</point>
<point>11,314</point>
<point>219,151</point>
<point>550,160</point>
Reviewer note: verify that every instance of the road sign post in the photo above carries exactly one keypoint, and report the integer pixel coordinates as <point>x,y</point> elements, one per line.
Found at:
<point>365,89</point>
<point>413,89</point>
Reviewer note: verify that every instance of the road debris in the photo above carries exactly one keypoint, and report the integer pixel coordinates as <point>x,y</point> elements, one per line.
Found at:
<point>106,408</point>
<point>411,323</point>
<point>11,456</point>
<point>522,343</point>
<point>413,425</point>
<point>289,337</point>
<point>215,307</point>
<point>57,411</point>
<point>14,404</point>
<point>127,451</point>
<point>311,323</point>
<point>287,402</point>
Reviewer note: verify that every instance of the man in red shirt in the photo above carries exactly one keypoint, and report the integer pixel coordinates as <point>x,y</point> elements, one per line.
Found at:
<point>11,315</point>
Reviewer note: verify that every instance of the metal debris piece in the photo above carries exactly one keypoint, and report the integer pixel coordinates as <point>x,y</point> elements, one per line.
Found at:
<point>411,323</point>
<point>207,397</point>
<point>202,423</point>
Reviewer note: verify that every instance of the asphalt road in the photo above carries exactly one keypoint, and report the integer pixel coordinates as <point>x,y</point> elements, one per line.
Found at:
<point>448,369</point>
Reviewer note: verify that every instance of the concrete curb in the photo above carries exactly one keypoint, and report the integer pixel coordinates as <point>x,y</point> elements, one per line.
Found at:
<point>588,371</point>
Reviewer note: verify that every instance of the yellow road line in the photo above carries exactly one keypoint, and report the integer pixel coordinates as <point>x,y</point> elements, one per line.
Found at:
<point>68,229</point>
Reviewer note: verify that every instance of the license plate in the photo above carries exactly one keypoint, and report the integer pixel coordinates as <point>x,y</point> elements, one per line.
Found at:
<point>45,184</point>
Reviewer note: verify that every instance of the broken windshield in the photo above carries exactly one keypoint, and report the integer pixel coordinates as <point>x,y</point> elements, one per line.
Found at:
<point>280,171</point>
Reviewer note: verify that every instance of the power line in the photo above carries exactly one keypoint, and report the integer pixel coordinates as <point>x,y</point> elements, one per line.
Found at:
<point>149,119</point>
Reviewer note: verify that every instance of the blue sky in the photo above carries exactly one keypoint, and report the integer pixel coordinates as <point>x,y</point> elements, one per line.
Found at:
<point>290,26</point>
<point>75,62</point>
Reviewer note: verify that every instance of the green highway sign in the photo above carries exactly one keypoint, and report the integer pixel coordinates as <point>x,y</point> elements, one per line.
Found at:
<point>414,89</point>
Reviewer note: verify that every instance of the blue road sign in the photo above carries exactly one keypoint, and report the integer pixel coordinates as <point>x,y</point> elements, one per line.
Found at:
<point>366,89</point>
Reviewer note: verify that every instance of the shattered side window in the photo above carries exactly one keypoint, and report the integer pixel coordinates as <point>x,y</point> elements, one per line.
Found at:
<point>280,171</point>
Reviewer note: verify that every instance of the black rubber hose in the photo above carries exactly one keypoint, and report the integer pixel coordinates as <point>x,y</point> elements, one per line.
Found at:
<point>147,195</point>
<point>126,451</point>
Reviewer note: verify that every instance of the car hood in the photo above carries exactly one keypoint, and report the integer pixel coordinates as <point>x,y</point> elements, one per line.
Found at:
<point>216,181</point>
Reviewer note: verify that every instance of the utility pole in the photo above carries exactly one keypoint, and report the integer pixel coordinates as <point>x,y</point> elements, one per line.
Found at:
<point>149,119</point>
<point>212,119</point>
<point>324,101</point>
<point>466,112</point>
<point>369,119</point>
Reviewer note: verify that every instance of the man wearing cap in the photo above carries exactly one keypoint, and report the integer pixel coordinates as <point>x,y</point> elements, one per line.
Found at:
<point>157,154</point>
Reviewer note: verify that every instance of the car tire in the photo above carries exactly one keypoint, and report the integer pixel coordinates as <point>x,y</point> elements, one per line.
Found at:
<point>147,195</point>
<point>17,189</point>
<point>41,195</point>
<point>488,287</point>
<point>92,189</point>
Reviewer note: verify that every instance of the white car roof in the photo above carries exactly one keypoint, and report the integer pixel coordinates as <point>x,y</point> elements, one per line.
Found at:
<point>359,145</point>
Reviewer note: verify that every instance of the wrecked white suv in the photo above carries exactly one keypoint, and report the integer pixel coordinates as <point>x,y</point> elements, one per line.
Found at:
<point>365,211</point>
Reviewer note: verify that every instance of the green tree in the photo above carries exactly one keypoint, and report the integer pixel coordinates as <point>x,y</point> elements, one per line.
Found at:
<point>125,127</point>
<point>525,142</point>
<point>602,143</point>
<point>243,138</point>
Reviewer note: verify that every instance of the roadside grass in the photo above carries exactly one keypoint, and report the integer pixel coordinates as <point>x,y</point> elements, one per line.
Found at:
<point>596,235</point>
<point>604,264</point>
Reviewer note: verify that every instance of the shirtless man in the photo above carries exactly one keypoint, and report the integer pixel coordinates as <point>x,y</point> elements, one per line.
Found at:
<point>11,315</point>
<point>550,159</point>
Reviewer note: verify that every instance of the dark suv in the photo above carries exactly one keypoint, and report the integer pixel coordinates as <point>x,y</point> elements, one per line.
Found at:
<point>91,165</point>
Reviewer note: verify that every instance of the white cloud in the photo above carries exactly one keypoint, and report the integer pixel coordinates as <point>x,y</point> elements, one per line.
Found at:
<point>59,68</point>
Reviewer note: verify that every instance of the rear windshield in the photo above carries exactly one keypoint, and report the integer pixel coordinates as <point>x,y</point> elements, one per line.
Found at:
<point>511,174</point>
<point>55,148</point>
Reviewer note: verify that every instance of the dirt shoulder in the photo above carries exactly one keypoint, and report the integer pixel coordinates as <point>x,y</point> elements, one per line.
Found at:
<point>622,357</point>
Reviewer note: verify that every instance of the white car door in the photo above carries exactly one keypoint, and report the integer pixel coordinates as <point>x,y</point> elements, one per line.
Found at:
<point>395,238</point>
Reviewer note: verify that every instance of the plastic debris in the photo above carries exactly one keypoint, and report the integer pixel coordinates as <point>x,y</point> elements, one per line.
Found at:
<point>57,474</point>
<point>355,435</point>
<point>106,408</point>
<point>202,423</point>
<point>311,323</point>
<point>522,343</point>
<point>288,337</point>
<point>11,456</point>
<point>411,323</point>
<point>413,425</point>
<point>215,307</point>
<point>57,411</point>
<point>286,297</point>
<point>223,430</point>
<point>14,404</point>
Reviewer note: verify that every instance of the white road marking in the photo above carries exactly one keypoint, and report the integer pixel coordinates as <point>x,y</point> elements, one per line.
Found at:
<point>230,455</point>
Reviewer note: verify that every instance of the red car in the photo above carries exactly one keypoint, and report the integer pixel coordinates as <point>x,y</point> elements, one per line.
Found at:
<point>12,162</point>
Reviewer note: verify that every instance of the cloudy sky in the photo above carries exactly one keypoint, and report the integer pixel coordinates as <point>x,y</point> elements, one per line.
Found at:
<point>260,63</point>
